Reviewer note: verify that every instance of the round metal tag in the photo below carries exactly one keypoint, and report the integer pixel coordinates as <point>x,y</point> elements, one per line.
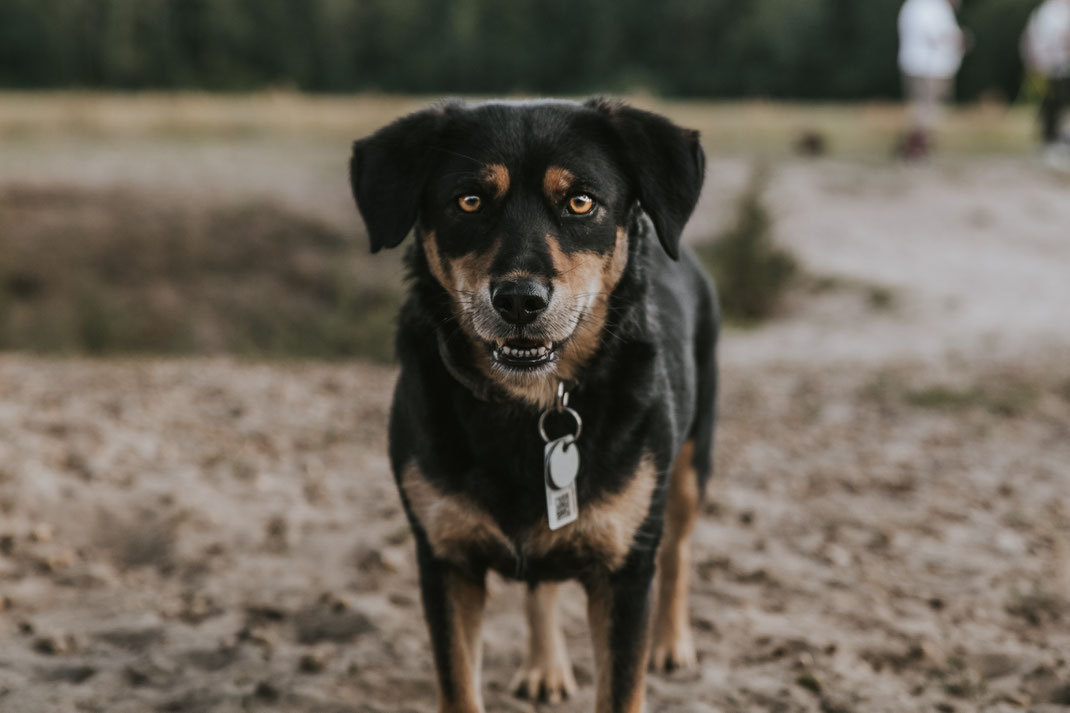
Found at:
<point>563,462</point>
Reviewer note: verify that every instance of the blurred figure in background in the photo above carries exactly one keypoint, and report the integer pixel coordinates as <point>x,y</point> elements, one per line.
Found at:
<point>931,46</point>
<point>1046,51</point>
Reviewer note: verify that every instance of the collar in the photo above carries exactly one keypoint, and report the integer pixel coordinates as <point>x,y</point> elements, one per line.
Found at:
<point>472,382</point>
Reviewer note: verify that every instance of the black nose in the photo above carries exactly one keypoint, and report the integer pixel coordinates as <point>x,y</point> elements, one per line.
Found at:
<point>519,301</point>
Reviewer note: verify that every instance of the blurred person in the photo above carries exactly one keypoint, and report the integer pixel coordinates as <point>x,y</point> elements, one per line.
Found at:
<point>931,46</point>
<point>1046,51</point>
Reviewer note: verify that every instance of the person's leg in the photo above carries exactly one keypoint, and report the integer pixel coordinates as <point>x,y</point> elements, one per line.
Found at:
<point>926,96</point>
<point>938,90</point>
<point>914,88</point>
<point>1049,111</point>
<point>1062,97</point>
<point>912,145</point>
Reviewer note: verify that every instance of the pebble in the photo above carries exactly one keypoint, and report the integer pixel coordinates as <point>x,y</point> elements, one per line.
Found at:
<point>41,533</point>
<point>54,645</point>
<point>314,661</point>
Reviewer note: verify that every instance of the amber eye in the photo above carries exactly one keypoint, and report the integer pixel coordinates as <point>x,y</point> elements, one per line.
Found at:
<point>580,204</point>
<point>470,204</point>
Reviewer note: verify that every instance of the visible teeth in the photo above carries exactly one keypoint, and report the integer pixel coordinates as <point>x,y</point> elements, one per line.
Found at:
<point>524,353</point>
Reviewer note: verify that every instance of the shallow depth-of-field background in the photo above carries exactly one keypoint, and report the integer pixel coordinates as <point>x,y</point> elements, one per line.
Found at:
<point>196,513</point>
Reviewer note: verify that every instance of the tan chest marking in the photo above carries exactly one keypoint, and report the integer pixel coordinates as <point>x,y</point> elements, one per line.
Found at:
<point>453,523</point>
<point>605,529</point>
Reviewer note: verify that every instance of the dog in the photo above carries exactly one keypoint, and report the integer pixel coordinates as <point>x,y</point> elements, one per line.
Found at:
<point>554,414</point>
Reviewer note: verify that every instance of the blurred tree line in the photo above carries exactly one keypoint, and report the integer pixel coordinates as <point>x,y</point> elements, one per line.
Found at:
<point>792,49</point>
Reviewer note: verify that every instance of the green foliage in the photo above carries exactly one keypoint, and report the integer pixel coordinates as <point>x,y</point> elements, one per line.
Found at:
<point>830,49</point>
<point>1003,399</point>
<point>994,67</point>
<point>752,272</point>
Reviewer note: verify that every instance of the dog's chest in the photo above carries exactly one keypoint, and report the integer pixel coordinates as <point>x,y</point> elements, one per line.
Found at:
<point>603,534</point>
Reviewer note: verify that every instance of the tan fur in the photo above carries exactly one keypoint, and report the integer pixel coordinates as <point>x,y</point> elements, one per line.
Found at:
<point>464,277</point>
<point>497,175</point>
<point>453,523</point>
<point>540,393</point>
<point>605,529</point>
<point>466,601</point>
<point>548,668</point>
<point>556,183</point>
<point>586,279</point>
<point>589,279</point>
<point>673,646</point>
<point>599,618</point>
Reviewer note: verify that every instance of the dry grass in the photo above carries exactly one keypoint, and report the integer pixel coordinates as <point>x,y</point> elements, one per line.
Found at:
<point>756,126</point>
<point>193,114</point>
<point>108,271</point>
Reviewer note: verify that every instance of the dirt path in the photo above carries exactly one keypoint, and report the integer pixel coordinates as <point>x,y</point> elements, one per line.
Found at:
<point>217,536</point>
<point>889,529</point>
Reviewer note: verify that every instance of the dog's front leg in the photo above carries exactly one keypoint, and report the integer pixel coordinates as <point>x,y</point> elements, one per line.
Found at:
<point>453,605</point>
<point>618,609</point>
<point>548,674</point>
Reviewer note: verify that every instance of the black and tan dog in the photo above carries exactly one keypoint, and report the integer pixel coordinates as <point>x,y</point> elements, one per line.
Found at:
<point>552,307</point>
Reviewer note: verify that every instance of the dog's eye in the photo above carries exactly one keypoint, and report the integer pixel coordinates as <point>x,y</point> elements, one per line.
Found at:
<point>470,204</point>
<point>580,204</point>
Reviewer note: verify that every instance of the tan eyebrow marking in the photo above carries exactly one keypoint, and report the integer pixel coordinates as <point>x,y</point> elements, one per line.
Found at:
<point>557,182</point>
<point>497,175</point>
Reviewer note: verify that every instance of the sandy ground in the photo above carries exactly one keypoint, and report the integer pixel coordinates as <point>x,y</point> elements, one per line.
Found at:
<point>888,530</point>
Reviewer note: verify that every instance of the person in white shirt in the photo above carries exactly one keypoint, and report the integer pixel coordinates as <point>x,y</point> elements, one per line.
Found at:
<point>931,46</point>
<point>1046,50</point>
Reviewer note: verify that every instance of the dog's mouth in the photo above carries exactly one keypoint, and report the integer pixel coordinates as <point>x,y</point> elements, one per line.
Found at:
<point>523,354</point>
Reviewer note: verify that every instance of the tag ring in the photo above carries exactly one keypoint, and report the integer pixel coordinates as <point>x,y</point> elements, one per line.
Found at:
<point>561,403</point>
<point>564,409</point>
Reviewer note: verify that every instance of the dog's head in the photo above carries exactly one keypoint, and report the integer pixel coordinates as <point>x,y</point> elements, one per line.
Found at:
<point>522,212</point>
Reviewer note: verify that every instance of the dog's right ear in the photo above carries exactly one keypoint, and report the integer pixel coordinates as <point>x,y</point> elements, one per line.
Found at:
<point>388,171</point>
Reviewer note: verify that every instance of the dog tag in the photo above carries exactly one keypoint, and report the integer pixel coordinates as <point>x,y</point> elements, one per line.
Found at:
<point>562,461</point>
<point>562,505</point>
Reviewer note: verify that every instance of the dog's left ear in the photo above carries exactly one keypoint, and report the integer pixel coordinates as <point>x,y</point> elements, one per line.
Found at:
<point>666,163</point>
<point>388,172</point>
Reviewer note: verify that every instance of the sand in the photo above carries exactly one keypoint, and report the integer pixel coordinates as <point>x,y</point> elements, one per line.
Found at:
<point>888,528</point>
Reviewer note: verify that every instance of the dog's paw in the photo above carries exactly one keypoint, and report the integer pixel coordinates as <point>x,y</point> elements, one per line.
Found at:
<point>547,683</point>
<point>674,653</point>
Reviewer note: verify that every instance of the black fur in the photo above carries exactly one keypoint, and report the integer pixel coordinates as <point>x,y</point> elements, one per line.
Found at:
<point>649,386</point>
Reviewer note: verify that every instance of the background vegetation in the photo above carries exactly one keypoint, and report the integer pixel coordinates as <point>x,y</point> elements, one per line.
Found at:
<point>793,49</point>
<point>149,274</point>
<point>751,271</point>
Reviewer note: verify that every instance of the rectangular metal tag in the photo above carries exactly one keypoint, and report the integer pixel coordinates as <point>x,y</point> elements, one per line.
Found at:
<point>562,506</point>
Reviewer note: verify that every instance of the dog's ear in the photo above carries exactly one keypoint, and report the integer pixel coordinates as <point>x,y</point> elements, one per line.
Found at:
<point>388,172</point>
<point>666,163</point>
